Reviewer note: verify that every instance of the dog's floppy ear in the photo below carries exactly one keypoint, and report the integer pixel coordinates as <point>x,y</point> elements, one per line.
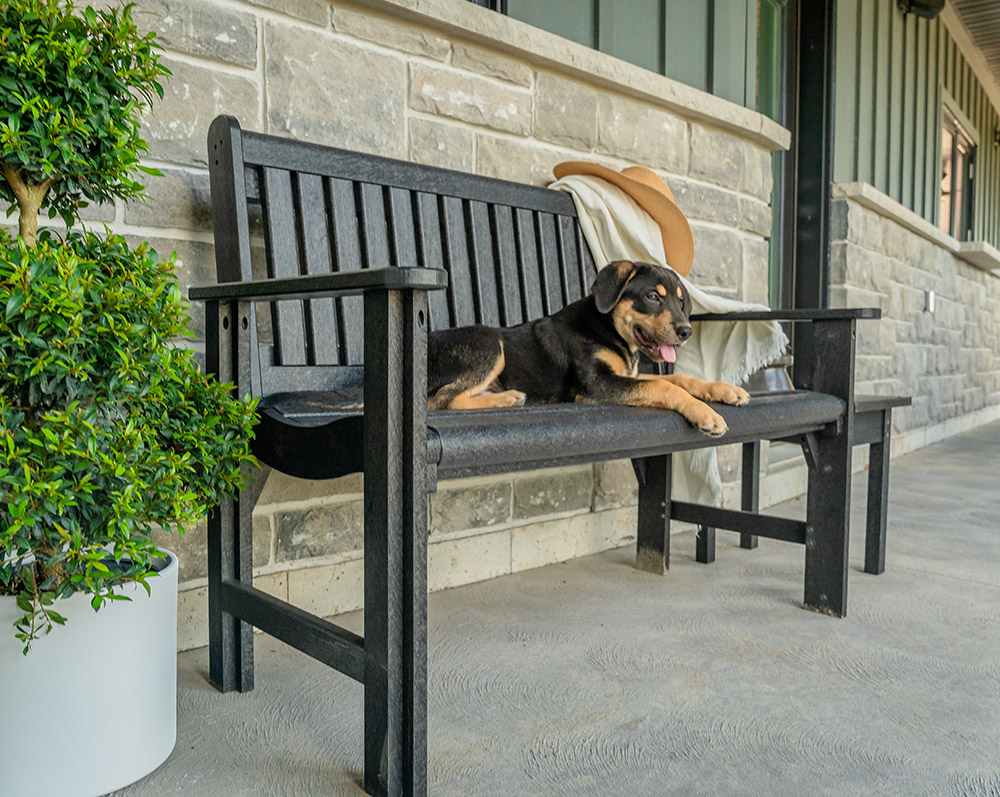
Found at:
<point>610,284</point>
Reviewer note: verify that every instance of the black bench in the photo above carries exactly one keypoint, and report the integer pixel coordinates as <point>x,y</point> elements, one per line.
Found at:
<point>357,252</point>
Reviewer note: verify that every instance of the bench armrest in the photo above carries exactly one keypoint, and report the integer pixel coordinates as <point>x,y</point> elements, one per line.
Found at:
<point>315,286</point>
<point>793,315</point>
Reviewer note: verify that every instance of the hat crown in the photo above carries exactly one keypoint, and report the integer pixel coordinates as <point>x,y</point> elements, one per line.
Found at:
<point>649,178</point>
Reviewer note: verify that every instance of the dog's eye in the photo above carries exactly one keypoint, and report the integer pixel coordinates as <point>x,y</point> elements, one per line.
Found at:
<point>653,296</point>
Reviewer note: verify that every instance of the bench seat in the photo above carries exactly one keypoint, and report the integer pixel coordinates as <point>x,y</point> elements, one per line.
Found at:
<point>471,443</point>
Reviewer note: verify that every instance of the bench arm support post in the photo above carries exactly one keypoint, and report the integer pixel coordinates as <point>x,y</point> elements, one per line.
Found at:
<point>230,526</point>
<point>395,533</point>
<point>829,368</point>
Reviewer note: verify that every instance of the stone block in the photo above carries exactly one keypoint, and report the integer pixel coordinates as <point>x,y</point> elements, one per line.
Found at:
<point>756,270</point>
<point>329,589</point>
<point>643,133</point>
<point>451,563</point>
<point>319,531</point>
<point>755,217</point>
<point>615,485</point>
<point>202,28</point>
<point>325,89</point>
<point>177,127</point>
<point>491,63</point>
<point>758,177</point>
<point>445,145</point>
<point>706,202</point>
<point>315,11</point>
<point>565,112</point>
<point>281,488</point>
<point>549,492</point>
<point>458,95</point>
<point>514,160</point>
<point>716,157</point>
<point>469,507</point>
<point>178,198</point>
<point>388,32</point>
<point>717,258</point>
<point>551,541</point>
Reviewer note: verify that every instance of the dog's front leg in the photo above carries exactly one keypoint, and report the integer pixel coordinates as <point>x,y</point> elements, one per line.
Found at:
<point>722,392</point>
<point>659,392</point>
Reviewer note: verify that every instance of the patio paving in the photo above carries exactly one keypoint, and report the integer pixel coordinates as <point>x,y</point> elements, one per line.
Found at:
<point>591,678</point>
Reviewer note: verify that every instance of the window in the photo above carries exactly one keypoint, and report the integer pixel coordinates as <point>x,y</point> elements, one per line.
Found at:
<point>958,171</point>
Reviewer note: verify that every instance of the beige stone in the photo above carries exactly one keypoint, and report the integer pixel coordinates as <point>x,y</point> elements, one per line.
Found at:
<point>315,11</point>
<point>514,160</point>
<point>325,89</point>
<point>553,491</point>
<point>201,28</point>
<point>558,540</point>
<point>329,589</point>
<point>614,484</point>
<point>447,92</point>
<point>387,32</point>
<point>491,63</point>
<point>717,259</point>
<point>758,178</point>
<point>756,270</point>
<point>755,216</point>
<point>469,507</point>
<point>642,133</point>
<point>565,112</point>
<point>451,563</point>
<point>705,202</point>
<point>324,530</point>
<point>716,157</point>
<point>446,145</point>
<point>177,198</point>
<point>176,128</point>
<point>281,488</point>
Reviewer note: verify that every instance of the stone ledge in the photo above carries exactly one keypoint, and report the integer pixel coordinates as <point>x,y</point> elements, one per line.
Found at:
<point>980,254</point>
<point>468,21</point>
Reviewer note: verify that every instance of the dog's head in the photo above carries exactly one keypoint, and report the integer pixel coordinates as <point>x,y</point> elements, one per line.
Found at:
<point>648,305</point>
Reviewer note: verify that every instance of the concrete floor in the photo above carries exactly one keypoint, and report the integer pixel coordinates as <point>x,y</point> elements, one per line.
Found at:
<point>591,678</point>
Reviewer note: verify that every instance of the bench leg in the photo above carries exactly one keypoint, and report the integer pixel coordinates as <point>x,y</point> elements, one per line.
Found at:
<point>878,499</point>
<point>827,523</point>
<point>230,526</point>
<point>653,530</point>
<point>395,459</point>
<point>750,499</point>
<point>704,544</point>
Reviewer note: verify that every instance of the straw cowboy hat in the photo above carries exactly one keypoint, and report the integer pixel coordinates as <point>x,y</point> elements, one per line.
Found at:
<point>652,195</point>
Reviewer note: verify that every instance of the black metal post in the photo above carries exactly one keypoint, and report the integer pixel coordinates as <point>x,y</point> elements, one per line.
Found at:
<point>653,528</point>
<point>878,499</point>
<point>750,499</point>
<point>230,526</point>
<point>395,463</point>
<point>828,506</point>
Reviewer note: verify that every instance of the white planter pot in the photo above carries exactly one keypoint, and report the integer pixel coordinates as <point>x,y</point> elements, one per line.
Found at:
<point>93,706</point>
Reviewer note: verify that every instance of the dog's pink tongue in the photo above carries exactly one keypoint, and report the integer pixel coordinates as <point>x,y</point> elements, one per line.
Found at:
<point>668,353</point>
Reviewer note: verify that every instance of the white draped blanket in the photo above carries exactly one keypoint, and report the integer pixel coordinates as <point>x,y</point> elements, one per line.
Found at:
<point>616,228</point>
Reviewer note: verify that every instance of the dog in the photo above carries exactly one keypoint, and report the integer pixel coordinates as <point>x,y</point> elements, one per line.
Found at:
<point>587,352</point>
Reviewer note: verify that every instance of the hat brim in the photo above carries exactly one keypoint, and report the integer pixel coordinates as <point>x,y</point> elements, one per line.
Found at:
<point>678,241</point>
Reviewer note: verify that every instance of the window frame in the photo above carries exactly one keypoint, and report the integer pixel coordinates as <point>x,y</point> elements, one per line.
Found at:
<point>960,223</point>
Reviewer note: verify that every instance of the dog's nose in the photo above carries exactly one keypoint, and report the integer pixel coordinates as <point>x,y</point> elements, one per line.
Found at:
<point>684,332</point>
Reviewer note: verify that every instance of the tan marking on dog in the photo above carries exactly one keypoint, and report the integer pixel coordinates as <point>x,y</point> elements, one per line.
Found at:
<point>623,317</point>
<point>661,290</point>
<point>659,392</point>
<point>615,362</point>
<point>680,292</point>
<point>505,398</point>
<point>476,397</point>
<point>722,392</point>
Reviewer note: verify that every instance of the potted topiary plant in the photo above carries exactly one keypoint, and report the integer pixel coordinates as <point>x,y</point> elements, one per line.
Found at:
<point>109,430</point>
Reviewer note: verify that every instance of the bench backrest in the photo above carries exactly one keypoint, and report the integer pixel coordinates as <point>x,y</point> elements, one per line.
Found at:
<point>513,252</point>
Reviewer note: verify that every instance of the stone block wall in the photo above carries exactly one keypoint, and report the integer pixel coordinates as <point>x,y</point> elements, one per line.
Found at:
<point>948,358</point>
<point>446,83</point>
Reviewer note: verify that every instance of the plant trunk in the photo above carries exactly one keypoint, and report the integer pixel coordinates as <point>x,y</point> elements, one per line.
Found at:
<point>29,201</point>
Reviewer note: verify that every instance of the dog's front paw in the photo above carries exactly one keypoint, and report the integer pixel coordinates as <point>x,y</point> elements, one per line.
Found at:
<point>708,421</point>
<point>728,394</point>
<point>510,398</point>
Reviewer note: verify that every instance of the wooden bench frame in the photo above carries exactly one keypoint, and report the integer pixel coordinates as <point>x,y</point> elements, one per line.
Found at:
<point>406,212</point>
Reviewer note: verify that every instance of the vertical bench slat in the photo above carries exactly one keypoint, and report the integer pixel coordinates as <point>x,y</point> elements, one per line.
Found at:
<point>483,269</point>
<point>570,259</point>
<point>551,279</point>
<point>375,231</point>
<point>402,235</point>
<point>510,288</point>
<point>462,308</point>
<point>527,248</point>
<point>432,254</point>
<point>586,260</point>
<point>347,249</point>
<point>321,319</point>
<point>283,261</point>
